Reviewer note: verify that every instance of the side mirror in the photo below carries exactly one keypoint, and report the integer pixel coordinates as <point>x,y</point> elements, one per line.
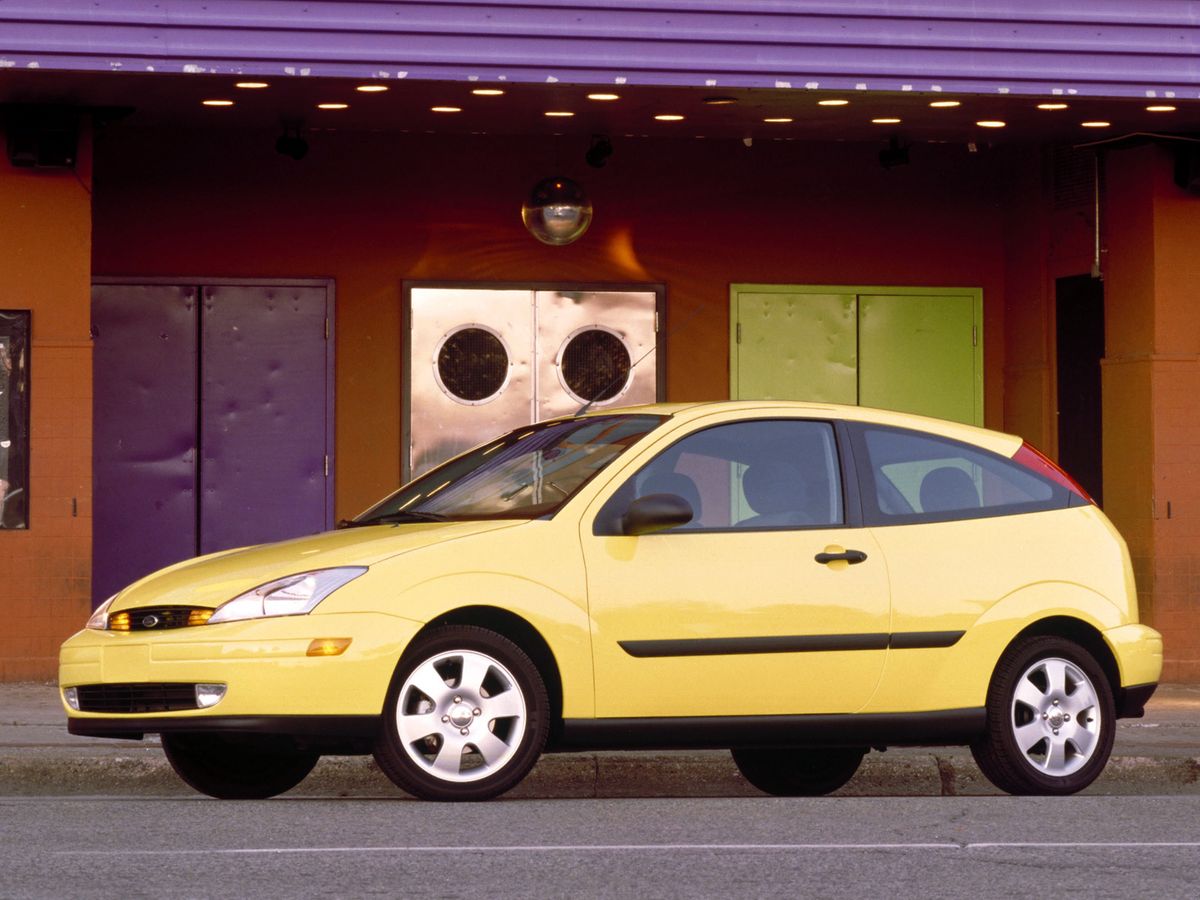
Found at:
<point>655,512</point>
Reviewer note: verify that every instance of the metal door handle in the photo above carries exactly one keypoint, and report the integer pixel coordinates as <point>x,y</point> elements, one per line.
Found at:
<point>854,557</point>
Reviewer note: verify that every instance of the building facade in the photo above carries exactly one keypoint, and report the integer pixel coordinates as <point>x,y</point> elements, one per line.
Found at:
<point>245,303</point>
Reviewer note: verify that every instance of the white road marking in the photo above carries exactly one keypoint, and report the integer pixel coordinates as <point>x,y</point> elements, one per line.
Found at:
<point>652,848</point>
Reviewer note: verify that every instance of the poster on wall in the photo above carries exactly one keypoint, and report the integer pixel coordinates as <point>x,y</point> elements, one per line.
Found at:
<point>14,418</point>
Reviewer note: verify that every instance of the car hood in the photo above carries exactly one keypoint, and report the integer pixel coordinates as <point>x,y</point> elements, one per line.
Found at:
<point>212,580</point>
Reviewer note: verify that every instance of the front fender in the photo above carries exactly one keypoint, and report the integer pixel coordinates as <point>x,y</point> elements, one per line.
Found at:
<point>561,620</point>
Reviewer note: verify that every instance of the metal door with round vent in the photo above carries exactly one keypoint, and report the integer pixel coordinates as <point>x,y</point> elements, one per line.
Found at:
<point>485,360</point>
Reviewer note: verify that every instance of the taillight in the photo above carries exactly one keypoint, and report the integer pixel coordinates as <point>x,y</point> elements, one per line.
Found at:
<point>1032,458</point>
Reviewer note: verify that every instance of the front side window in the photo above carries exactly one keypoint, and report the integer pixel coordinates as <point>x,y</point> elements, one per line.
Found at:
<point>915,477</point>
<point>768,474</point>
<point>526,474</point>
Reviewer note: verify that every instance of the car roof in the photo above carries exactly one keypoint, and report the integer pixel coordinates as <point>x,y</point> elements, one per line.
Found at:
<point>996,441</point>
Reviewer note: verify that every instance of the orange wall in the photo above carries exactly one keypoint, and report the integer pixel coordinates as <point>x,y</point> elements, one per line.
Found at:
<point>45,258</point>
<point>697,215</point>
<point>1151,382</point>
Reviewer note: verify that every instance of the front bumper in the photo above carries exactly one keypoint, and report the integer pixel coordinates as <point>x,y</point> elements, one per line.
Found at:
<point>272,684</point>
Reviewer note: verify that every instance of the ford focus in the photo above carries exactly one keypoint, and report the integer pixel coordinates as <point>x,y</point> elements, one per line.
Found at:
<point>798,583</point>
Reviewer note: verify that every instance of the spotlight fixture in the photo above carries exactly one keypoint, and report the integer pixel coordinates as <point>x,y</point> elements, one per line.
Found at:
<point>894,154</point>
<point>669,117</point>
<point>599,152</point>
<point>1161,108</point>
<point>1096,124</point>
<point>779,120</point>
<point>290,143</point>
<point>251,85</point>
<point>217,102</point>
<point>333,106</point>
<point>445,109</point>
<point>889,120</point>
<point>604,97</point>
<point>371,88</point>
<point>945,104</point>
<point>720,101</point>
<point>1052,106</point>
<point>558,114</point>
<point>833,103</point>
<point>991,123</point>
<point>488,92</point>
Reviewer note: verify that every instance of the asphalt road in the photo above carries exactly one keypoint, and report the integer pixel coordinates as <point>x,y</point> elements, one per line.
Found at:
<point>927,847</point>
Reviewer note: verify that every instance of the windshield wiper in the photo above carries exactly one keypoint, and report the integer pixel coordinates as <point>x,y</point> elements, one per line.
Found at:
<point>398,518</point>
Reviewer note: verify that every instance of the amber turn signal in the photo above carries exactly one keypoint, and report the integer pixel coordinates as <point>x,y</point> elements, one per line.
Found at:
<point>118,621</point>
<point>328,646</point>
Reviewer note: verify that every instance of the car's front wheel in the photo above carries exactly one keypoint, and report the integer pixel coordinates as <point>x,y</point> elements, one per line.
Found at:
<point>466,716</point>
<point>797,771</point>
<point>1050,719</point>
<point>238,767</point>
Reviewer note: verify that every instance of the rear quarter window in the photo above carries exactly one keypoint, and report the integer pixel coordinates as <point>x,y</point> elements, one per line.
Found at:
<point>908,476</point>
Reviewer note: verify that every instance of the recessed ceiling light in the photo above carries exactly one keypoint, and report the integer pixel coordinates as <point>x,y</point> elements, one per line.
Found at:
<point>1052,106</point>
<point>252,85</point>
<point>780,119</point>
<point>1096,124</point>
<point>606,97</point>
<point>559,114</point>
<point>488,92</point>
<point>945,104</point>
<point>669,117</point>
<point>888,121</point>
<point>991,123</point>
<point>371,88</point>
<point>833,103</point>
<point>217,102</point>
<point>1160,109</point>
<point>445,109</point>
<point>720,101</point>
<point>333,106</point>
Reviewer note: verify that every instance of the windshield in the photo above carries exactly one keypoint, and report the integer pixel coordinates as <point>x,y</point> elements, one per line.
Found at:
<point>526,474</point>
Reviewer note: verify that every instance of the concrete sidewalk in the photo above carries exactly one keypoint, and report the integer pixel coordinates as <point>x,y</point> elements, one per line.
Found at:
<point>1156,754</point>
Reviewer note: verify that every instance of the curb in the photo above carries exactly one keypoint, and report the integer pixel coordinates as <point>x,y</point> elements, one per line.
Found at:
<point>599,775</point>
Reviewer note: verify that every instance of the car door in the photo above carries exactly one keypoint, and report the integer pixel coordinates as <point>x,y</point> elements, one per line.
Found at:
<point>752,608</point>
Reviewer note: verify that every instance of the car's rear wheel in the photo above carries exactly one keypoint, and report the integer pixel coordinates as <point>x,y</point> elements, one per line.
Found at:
<point>238,767</point>
<point>466,716</point>
<point>798,771</point>
<point>1050,719</point>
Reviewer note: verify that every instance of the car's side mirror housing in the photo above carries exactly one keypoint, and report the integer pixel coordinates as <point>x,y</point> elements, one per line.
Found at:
<point>655,512</point>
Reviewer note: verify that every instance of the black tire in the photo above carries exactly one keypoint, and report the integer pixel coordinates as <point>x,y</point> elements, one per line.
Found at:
<point>1047,733</point>
<point>478,686</point>
<point>798,771</point>
<point>238,767</point>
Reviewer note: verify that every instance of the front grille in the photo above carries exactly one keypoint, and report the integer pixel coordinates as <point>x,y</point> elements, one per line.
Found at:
<point>156,618</point>
<point>136,698</point>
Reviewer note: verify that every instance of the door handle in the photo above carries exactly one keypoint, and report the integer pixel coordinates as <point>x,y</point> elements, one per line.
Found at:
<point>854,557</point>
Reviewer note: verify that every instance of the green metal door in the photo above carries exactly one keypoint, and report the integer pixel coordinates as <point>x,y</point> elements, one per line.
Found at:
<point>909,349</point>
<point>796,346</point>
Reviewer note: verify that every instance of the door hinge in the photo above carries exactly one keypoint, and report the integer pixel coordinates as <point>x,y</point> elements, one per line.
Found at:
<point>974,336</point>
<point>656,321</point>
<point>738,332</point>
<point>327,328</point>
<point>326,465</point>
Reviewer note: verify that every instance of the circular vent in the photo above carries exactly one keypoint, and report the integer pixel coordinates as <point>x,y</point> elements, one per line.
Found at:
<point>472,365</point>
<point>595,365</point>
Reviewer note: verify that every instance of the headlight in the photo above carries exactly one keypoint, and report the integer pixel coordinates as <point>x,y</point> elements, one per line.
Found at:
<point>291,596</point>
<point>99,619</point>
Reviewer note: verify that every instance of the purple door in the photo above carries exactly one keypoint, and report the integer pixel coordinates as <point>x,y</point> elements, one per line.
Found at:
<point>213,421</point>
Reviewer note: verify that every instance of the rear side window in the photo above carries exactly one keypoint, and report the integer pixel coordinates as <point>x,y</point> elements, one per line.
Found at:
<point>913,477</point>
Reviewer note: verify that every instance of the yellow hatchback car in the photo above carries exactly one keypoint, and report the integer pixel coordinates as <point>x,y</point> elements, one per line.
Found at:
<point>793,581</point>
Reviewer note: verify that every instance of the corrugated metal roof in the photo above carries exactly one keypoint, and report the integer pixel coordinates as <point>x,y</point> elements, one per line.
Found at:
<point>1084,47</point>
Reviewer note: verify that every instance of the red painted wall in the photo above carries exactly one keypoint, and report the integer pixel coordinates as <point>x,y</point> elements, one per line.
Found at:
<point>697,215</point>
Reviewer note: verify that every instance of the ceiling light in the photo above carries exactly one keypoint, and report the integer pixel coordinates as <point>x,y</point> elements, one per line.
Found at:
<point>1096,124</point>
<point>669,117</point>
<point>252,85</point>
<point>779,119</point>
<point>1160,109</point>
<point>217,102</point>
<point>445,109</point>
<point>606,97</point>
<point>488,92</point>
<point>371,88</point>
<point>559,114</point>
<point>991,123</point>
<point>720,101</point>
<point>945,104</point>
<point>833,103</point>
<point>885,121</point>
<point>1052,106</point>
<point>333,106</point>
